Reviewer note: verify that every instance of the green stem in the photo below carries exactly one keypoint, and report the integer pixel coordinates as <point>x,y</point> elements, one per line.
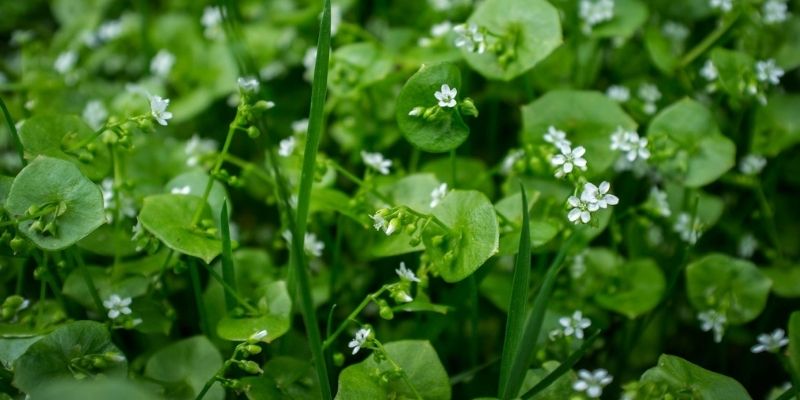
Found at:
<point>198,298</point>
<point>14,134</point>
<point>453,168</point>
<point>768,218</point>
<point>230,291</point>
<point>399,369</point>
<point>793,375</point>
<point>228,274</point>
<point>352,317</point>
<point>115,161</point>
<point>709,40</point>
<point>214,171</point>
<point>360,182</point>
<point>98,302</point>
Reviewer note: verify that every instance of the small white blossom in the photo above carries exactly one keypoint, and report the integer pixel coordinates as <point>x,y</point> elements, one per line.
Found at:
<point>158,108</point>
<point>95,114</point>
<point>688,230</point>
<point>358,341</point>
<point>258,336</point>
<point>272,70</point>
<point>557,137</point>
<point>598,197</point>
<point>747,245</point>
<point>286,146</point>
<point>109,30</point>
<point>769,72</point>
<point>162,63</point>
<point>378,222</point>
<point>197,147</point>
<point>659,199</point>
<point>510,160</point>
<point>630,143</point>
<point>438,194</point>
<point>775,12</point>
<point>377,162</point>
<point>580,211</point>
<point>313,246</point>
<point>405,297</point>
<point>568,160</point>
<point>441,29</point>
<point>405,273</point>
<point>650,95</point>
<point>771,342</point>
<point>446,96</point>
<point>416,111</point>
<point>575,324</point>
<point>107,189</point>
<point>300,126</point>
<point>709,71</point>
<point>469,38</point>
<point>181,190</point>
<point>212,17</point>
<point>117,306</point>
<point>711,320</point>
<point>336,18</point>
<point>722,5</point>
<point>249,84</point>
<point>675,31</point>
<point>65,62</point>
<point>618,93</point>
<point>752,164</point>
<point>592,382</point>
<point>594,12</point>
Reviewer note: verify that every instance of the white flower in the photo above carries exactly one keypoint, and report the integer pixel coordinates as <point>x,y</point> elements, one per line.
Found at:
<point>258,336</point>
<point>747,245</point>
<point>557,137</point>
<point>95,114</point>
<point>416,111</point>
<point>446,96</point>
<point>675,31</point>
<point>65,62</point>
<point>752,164</point>
<point>711,320</point>
<point>405,297</point>
<point>568,160</point>
<point>659,199</point>
<point>618,93</point>
<point>109,30</point>
<point>405,273</point>
<point>598,197</point>
<point>593,12</point>
<point>300,126</point>
<point>162,63</point>
<point>592,382</point>
<point>158,108</point>
<point>469,38</point>
<point>212,16</point>
<point>649,93</point>
<point>249,84</point>
<point>575,324</point>
<point>775,12</point>
<point>438,194</point>
<point>272,70</point>
<point>313,246</point>
<point>771,342</point>
<point>376,161</point>
<point>117,306</point>
<point>286,146</point>
<point>336,18</point>
<point>709,71</point>
<point>510,160</point>
<point>181,190</point>
<point>768,71</point>
<point>630,143</point>
<point>197,147</point>
<point>358,341</point>
<point>580,211</point>
<point>378,222</point>
<point>723,5</point>
<point>688,231</point>
<point>441,29</point>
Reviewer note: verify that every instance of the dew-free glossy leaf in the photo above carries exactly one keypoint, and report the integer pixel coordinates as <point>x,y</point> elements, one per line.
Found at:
<point>106,285</point>
<point>677,376</point>
<point>636,289</point>
<point>187,363</point>
<point>59,183</point>
<point>169,218</point>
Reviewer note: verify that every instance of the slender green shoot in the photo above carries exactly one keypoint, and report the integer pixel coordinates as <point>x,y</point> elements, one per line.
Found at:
<point>562,368</point>
<point>228,274</point>
<point>515,322</point>
<point>14,134</point>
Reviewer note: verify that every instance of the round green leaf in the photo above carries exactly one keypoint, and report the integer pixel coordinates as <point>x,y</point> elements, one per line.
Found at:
<point>734,286</point>
<point>542,231</point>
<point>62,354</point>
<point>473,238</point>
<point>419,362</point>
<point>57,183</point>
<point>117,389</point>
<point>637,289</point>
<point>448,130</point>
<point>57,136</point>
<point>777,125</point>
<point>125,286</point>
<point>196,180</point>
<point>785,280</point>
<point>689,126</point>
<point>531,28</point>
<point>413,191</point>
<point>186,365</point>
<point>277,307</point>
<point>588,118</point>
<point>677,377</point>
<point>169,218</point>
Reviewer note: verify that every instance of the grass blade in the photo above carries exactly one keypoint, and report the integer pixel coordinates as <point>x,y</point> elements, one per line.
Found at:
<point>515,322</point>
<point>228,274</point>
<point>533,324</point>
<point>562,368</point>
<point>14,134</point>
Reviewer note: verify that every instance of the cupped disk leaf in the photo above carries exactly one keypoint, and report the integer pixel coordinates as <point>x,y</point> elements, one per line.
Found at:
<point>185,366</point>
<point>276,306</point>
<point>636,290</point>
<point>531,30</point>
<point>420,364</point>
<point>473,237</point>
<point>169,218</point>
<point>443,133</point>
<point>674,376</point>
<point>58,185</point>
<point>734,286</point>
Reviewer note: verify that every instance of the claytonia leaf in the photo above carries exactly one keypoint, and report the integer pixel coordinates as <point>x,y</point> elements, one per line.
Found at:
<point>413,191</point>
<point>735,287</point>
<point>777,125</point>
<point>277,308</point>
<point>64,198</point>
<point>420,364</point>
<point>541,231</point>
<point>473,239</point>
<point>736,71</point>
<point>116,388</point>
<point>785,280</point>
<point>635,289</point>
<point>527,30</point>
<point>195,181</point>
<point>183,367</point>
<point>676,376</point>
<point>106,285</point>
<point>284,378</point>
<point>169,218</point>
<point>69,352</point>
<point>445,130</point>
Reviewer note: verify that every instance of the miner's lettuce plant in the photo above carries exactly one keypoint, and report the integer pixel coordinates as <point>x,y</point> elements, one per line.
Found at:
<point>536,199</point>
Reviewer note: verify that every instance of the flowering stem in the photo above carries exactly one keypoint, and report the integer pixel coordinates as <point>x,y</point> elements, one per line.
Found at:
<point>399,369</point>
<point>428,217</point>
<point>87,278</point>
<point>115,161</point>
<point>14,134</point>
<point>352,317</point>
<point>360,182</point>
<point>709,40</point>
<point>230,291</point>
<point>214,171</point>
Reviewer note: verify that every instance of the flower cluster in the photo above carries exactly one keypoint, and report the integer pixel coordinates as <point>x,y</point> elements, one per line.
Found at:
<point>376,162</point>
<point>629,143</point>
<point>592,199</point>
<point>722,5</point>
<point>593,12</point>
<point>470,38</point>
<point>688,228</point>
<point>592,382</point>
